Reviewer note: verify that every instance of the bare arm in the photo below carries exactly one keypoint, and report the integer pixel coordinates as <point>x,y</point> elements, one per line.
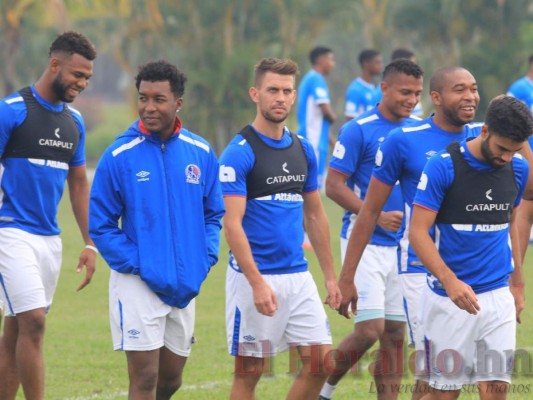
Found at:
<point>516,281</point>
<point>376,196</point>
<point>328,112</point>
<point>264,298</point>
<point>341,194</point>
<point>459,292</point>
<point>524,221</point>
<point>78,186</point>
<point>317,227</point>
<point>528,155</point>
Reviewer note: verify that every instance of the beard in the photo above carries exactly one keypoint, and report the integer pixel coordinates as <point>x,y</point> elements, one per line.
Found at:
<point>60,91</point>
<point>489,156</point>
<point>269,117</point>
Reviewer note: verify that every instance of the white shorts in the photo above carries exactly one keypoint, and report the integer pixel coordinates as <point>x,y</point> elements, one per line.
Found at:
<point>412,286</point>
<point>29,270</point>
<point>140,321</point>
<point>300,320</point>
<point>376,280</point>
<point>462,348</point>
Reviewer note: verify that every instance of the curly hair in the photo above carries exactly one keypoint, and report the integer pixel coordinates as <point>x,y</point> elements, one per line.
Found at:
<point>510,118</point>
<point>160,71</point>
<point>73,43</point>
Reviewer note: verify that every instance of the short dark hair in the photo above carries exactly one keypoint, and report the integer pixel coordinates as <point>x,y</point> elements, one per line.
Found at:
<point>275,65</point>
<point>403,66</point>
<point>71,42</point>
<point>318,52</point>
<point>438,79</point>
<point>509,117</point>
<point>161,71</point>
<point>401,53</point>
<point>367,55</point>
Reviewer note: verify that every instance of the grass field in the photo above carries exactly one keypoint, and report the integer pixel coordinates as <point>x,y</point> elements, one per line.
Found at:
<point>81,364</point>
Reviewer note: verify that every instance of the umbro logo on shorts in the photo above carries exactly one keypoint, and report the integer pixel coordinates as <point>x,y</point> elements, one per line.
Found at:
<point>248,338</point>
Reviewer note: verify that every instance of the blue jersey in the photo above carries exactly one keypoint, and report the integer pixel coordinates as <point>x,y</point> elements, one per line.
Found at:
<point>361,96</point>
<point>479,254</point>
<point>31,188</point>
<point>402,157</point>
<point>312,125</point>
<point>522,89</point>
<point>273,224</point>
<point>354,155</point>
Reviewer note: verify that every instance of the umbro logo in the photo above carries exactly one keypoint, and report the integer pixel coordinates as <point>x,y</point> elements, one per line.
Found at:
<point>248,338</point>
<point>133,332</point>
<point>431,153</point>
<point>142,176</point>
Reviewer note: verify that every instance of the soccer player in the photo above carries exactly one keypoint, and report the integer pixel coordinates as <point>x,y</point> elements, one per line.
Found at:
<point>402,157</point>
<point>269,182</point>
<point>42,145</point>
<point>161,181</point>
<point>362,93</point>
<point>380,313</point>
<point>470,191</point>
<point>407,54</point>
<point>314,111</point>
<point>522,88</point>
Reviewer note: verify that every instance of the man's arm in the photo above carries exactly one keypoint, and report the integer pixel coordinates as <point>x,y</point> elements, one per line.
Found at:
<point>528,155</point>
<point>459,292</point>
<point>328,112</point>
<point>78,186</point>
<point>341,194</point>
<point>524,221</point>
<point>317,227</point>
<point>376,197</point>
<point>264,298</point>
<point>516,281</point>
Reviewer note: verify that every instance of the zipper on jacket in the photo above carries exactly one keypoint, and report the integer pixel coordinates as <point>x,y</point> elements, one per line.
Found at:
<point>163,148</point>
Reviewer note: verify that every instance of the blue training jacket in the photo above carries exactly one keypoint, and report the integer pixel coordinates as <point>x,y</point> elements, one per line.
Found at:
<point>169,201</point>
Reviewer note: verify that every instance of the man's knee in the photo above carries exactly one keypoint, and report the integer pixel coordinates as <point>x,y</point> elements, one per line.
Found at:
<point>167,387</point>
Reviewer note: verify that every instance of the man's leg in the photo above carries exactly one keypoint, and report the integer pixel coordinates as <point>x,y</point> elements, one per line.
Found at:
<point>143,370</point>
<point>354,346</point>
<point>9,381</point>
<point>313,374</point>
<point>248,371</point>
<point>435,394</point>
<point>389,363</point>
<point>493,390</point>
<point>170,373</point>
<point>29,352</point>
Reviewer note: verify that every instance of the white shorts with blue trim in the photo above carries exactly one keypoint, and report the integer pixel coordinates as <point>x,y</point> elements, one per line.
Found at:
<point>412,286</point>
<point>376,280</point>
<point>29,270</point>
<point>299,321</point>
<point>141,321</point>
<point>461,348</point>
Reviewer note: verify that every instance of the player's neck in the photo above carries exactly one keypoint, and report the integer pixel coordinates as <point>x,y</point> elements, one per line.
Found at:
<point>367,77</point>
<point>45,91</point>
<point>442,122</point>
<point>387,114</point>
<point>273,130</point>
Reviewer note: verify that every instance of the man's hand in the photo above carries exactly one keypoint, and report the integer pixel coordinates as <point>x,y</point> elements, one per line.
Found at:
<point>334,294</point>
<point>390,220</point>
<point>349,298</point>
<point>462,295</point>
<point>87,259</point>
<point>519,299</point>
<point>265,299</point>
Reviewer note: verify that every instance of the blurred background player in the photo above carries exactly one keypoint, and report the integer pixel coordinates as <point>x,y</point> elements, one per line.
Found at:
<point>314,111</point>
<point>363,93</point>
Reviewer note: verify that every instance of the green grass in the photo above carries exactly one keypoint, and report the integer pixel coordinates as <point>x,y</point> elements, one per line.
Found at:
<point>82,365</point>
